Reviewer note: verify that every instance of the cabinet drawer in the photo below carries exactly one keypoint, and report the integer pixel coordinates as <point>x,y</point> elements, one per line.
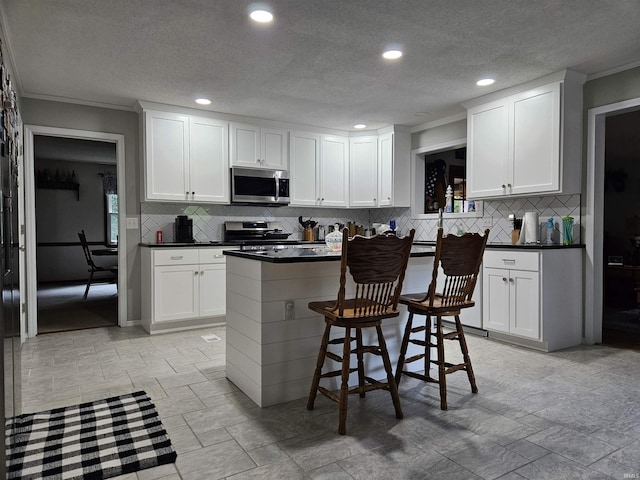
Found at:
<point>511,260</point>
<point>212,255</point>
<point>178,256</point>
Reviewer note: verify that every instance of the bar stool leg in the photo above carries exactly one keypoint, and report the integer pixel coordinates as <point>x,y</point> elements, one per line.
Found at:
<point>442,377</point>
<point>393,388</point>
<point>318,371</point>
<point>403,348</point>
<point>428,333</point>
<point>360,356</point>
<point>344,386</point>
<point>465,356</point>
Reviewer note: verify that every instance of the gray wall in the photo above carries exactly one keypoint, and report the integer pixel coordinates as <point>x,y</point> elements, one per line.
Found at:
<point>82,117</point>
<point>61,214</point>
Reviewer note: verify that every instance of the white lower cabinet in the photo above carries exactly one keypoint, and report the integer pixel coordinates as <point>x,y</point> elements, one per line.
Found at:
<point>533,298</point>
<point>183,288</point>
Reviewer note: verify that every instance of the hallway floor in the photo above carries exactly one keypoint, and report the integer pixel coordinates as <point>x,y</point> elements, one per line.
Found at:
<point>572,414</point>
<point>61,306</point>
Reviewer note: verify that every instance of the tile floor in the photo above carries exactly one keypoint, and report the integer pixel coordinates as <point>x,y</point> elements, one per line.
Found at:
<point>573,414</point>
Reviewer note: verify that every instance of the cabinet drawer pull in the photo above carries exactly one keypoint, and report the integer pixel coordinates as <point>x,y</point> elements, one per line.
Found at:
<point>177,257</point>
<point>218,256</point>
<point>509,261</point>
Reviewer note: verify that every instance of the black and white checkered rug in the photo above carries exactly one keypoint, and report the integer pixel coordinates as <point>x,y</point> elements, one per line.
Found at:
<point>93,440</point>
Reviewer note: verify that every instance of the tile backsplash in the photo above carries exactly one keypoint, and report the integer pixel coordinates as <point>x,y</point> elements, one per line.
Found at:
<point>208,220</point>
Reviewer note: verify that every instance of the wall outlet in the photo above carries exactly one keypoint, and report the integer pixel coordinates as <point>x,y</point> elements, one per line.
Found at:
<point>289,310</point>
<point>486,222</point>
<point>132,223</point>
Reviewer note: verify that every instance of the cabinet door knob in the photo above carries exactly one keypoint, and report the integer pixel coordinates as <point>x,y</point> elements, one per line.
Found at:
<point>195,273</point>
<point>511,280</point>
<point>201,272</point>
<point>388,198</point>
<point>504,186</point>
<point>504,279</point>
<point>318,199</point>
<point>322,199</point>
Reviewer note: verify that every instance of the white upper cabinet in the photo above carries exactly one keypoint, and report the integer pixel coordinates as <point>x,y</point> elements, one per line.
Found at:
<point>333,179</point>
<point>488,145</point>
<point>166,156</point>
<point>363,173</point>
<point>304,158</point>
<point>186,158</point>
<point>208,165</point>
<point>254,146</point>
<point>526,143</point>
<point>385,170</point>
<point>319,170</point>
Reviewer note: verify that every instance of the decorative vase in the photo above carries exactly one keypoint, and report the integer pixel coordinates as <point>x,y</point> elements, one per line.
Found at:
<point>334,239</point>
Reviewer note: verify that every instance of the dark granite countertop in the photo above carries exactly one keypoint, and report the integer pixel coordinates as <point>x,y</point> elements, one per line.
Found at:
<point>222,244</point>
<point>320,244</point>
<point>310,254</point>
<point>533,246</point>
<point>503,245</point>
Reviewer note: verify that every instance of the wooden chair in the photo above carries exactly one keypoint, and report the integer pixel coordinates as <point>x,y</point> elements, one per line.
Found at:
<point>459,258</point>
<point>377,266</point>
<point>93,268</point>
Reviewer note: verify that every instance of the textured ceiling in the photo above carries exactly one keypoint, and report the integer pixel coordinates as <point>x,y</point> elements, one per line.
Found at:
<point>319,62</point>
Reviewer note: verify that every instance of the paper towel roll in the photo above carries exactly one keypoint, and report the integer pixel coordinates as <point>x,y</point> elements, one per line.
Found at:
<point>532,228</point>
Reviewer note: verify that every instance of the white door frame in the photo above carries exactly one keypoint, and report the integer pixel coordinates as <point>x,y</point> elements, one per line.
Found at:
<point>594,215</point>
<point>30,214</point>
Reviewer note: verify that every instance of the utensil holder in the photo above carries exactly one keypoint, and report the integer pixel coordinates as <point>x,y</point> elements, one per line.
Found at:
<point>308,234</point>
<point>567,230</point>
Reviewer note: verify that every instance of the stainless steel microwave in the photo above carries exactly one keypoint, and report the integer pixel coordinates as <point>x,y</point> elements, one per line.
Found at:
<point>258,186</point>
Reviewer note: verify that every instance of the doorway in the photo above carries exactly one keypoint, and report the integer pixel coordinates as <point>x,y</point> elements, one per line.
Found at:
<point>114,143</point>
<point>76,185</point>
<point>621,242</point>
<point>595,260</point>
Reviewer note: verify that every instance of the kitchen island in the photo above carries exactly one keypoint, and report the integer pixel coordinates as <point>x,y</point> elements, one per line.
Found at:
<point>273,338</point>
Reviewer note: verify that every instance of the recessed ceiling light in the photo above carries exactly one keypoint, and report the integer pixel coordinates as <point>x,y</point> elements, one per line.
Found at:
<point>261,16</point>
<point>392,54</point>
<point>360,126</point>
<point>485,81</point>
<point>203,101</point>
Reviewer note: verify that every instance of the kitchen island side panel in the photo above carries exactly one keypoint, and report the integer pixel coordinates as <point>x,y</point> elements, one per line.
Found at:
<point>272,358</point>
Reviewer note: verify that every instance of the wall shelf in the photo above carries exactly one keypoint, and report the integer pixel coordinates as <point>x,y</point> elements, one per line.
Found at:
<point>61,186</point>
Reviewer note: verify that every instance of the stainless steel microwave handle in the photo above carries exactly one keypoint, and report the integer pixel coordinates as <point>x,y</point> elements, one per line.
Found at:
<point>277,187</point>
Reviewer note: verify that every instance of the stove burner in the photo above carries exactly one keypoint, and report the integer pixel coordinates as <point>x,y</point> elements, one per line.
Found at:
<point>254,232</point>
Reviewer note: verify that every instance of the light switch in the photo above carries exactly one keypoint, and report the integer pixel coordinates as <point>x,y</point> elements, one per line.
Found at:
<point>132,223</point>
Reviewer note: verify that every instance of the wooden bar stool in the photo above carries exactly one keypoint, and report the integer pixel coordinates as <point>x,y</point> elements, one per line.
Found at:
<point>459,258</point>
<point>377,266</point>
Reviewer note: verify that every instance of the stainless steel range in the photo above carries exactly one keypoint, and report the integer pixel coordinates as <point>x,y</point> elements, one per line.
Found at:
<point>256,235</point>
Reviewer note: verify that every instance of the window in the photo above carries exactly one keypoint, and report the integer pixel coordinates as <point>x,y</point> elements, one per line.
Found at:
<point>111,218</point>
